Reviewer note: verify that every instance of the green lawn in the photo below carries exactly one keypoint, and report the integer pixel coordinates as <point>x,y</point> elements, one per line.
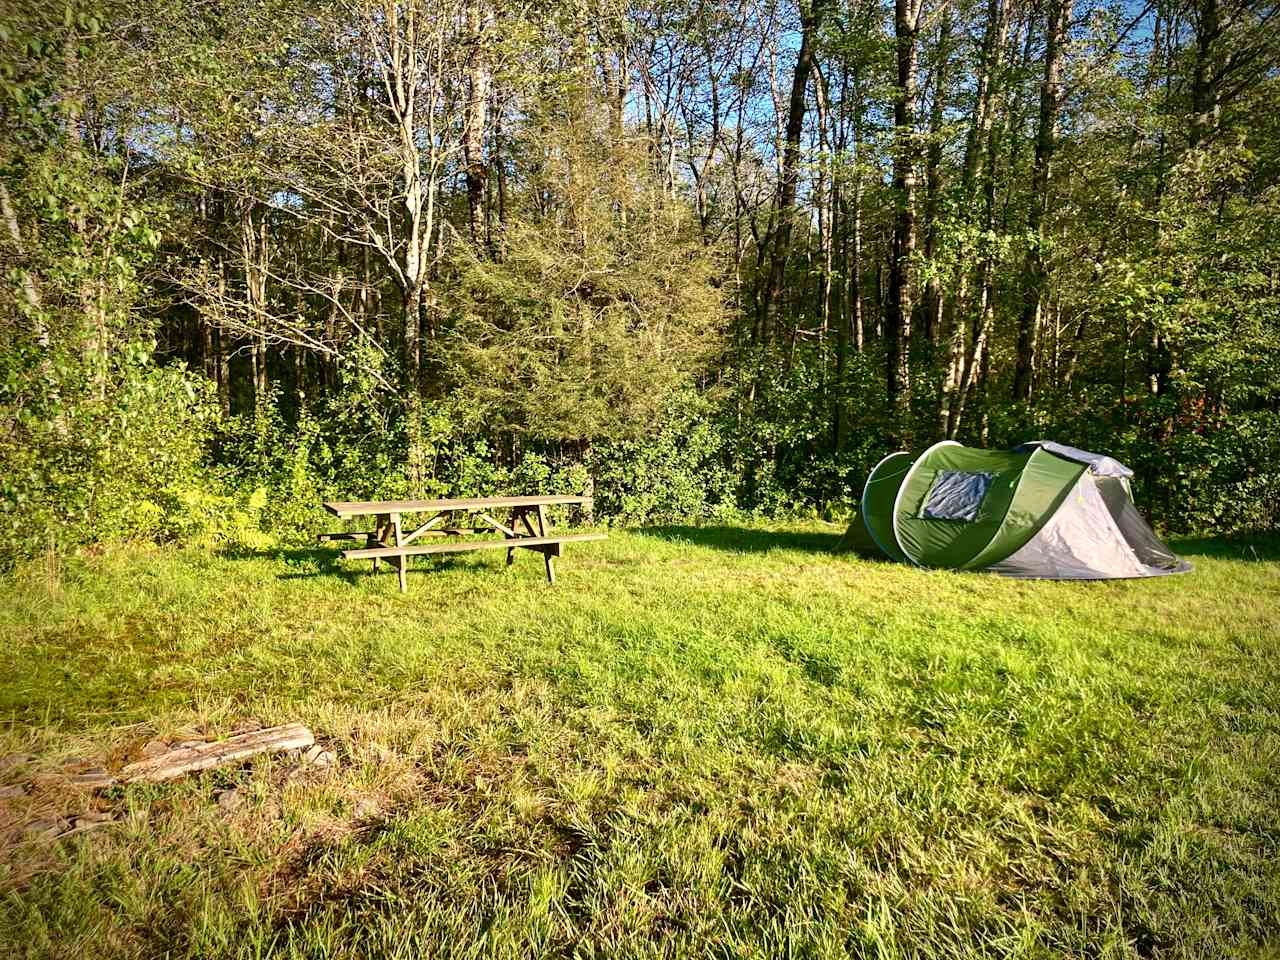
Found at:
<point>702,742</point>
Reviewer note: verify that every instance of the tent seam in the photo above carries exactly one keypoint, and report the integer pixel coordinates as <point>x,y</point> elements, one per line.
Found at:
<point>1022,474</point>
<point>897,501</point>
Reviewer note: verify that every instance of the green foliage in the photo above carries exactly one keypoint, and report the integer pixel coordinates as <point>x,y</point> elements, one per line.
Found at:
<point>97,439</point>
<point>1217,476</point>
<point>1199,355</point>
<point>682,470</point>
<point>785,444</point>
<point>598,304</point>
<point>199,514</point>
<point>352,446</point>
<point>600,335</point>
<point>75,468</point>
<point>1210,282</point>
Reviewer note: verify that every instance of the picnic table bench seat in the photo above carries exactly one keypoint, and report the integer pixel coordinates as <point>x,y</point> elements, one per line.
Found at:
<point>389,541</point>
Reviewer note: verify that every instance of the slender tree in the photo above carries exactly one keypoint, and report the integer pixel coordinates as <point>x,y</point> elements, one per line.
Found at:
<point>899,305</point>
<point>1058,19</point>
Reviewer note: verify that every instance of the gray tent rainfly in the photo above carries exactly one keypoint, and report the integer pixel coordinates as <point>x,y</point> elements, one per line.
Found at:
<point>1043,510</point>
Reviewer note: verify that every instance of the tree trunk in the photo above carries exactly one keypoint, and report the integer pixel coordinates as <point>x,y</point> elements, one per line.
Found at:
<point>500,168</point>
<point>810,23</point>
<point>30,292</point>
<point>1204,82</point>
<point>255,261</point>
<point>978,155</point>
<point>223,362</point>
<point>897,321</point>
<point>827,192</point>
<point>854,296</point>
<point>1035,271</point>
<point>479,24</point>
<point>931,314</point>
<point>402,79</point>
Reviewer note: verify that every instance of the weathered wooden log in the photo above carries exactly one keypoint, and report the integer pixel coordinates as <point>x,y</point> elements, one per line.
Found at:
<point>167,766</point>
<point>95,779</point>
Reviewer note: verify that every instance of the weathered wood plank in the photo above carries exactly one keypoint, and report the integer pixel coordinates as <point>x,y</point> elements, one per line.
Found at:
<point>464,545</point>
<point>379,535</point>
<point>356,508</point>
<point>443,532</point>
<point>425,528</point>
<point>498,525</point>
<point>174,763</point>
<point>524,518</point>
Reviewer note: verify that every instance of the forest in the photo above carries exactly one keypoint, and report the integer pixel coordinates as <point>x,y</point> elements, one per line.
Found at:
<point>698,259</point>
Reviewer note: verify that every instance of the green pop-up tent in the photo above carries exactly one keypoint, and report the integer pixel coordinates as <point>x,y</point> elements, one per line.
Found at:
<point>1041,510</point>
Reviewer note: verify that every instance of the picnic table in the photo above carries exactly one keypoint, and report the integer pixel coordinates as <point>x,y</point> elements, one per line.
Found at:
<point>389,541</point>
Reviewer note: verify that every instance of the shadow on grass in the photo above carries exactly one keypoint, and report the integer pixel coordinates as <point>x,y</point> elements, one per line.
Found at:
<point>303,563</point>
<point>745,539</point>
<point>309,563</point>
<point>1246,546</point>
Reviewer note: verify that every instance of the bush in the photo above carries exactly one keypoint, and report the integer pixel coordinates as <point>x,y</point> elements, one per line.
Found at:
<point>680,472</point>
<point>76,467</point>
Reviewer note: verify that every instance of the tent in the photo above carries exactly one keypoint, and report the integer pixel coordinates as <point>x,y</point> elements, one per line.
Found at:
<point>1042,511</point>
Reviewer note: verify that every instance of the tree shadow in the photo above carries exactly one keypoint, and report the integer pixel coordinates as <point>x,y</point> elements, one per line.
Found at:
<point>309,563</point>
<point>745,539</point>
<point>1264,547</point>
<point>304,563</point>
<point>290,555</point>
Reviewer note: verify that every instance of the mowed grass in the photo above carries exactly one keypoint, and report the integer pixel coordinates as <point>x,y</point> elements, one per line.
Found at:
<point>713,742</point>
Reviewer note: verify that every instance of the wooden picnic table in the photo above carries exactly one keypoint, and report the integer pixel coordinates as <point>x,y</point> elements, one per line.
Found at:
<point>389,541</point>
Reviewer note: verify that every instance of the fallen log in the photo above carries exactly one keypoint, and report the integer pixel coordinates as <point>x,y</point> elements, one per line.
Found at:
<point>174,763</point>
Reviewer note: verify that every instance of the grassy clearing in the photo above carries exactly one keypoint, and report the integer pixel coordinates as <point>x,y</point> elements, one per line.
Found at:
<point>702,742</point>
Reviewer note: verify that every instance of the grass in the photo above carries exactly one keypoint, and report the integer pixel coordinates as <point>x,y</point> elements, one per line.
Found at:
<point>709,742</point>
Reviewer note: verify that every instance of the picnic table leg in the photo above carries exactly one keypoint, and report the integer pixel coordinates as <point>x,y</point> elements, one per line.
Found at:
<point>517,513</point>
<point>548,556</point>
<point>379,536</point>
<point>528,525</point>
<point>402,561</point>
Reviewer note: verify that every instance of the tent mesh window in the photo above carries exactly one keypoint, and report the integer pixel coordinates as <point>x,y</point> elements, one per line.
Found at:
<point>956,495</point>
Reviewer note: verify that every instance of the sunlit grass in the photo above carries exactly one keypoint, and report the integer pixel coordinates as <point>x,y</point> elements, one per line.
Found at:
<point>706,742</point>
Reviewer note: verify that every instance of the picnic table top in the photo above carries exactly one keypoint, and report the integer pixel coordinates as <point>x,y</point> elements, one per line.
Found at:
<point>357,508</point>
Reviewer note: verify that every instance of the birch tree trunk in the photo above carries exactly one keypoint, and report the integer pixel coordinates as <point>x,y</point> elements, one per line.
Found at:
<point>409,41</point>
<point>255,257</point>
<point>479,25</point>
<point>30,292</point>
<point>978,154</point>
<point>827,193</point>
<point>223,361</point>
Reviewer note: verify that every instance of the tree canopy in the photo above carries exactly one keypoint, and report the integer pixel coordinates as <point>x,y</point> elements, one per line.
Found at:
<point>370,246</point>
